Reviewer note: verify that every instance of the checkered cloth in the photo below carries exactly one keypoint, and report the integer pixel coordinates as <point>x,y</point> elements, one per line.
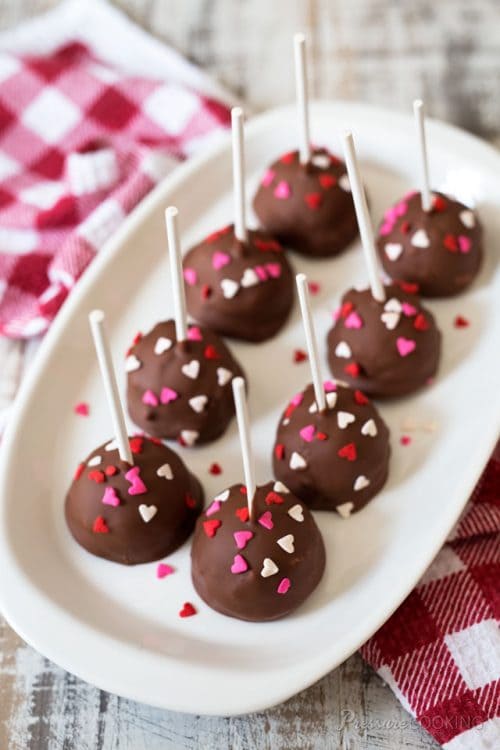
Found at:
<point>440,651</point>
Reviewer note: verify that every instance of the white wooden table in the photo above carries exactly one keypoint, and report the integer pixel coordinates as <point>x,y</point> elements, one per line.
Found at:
<point>382,51</point>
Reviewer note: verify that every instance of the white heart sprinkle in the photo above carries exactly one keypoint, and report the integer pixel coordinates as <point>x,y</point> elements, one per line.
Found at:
<point>285,422</point>
<point>468,219</point>
<point>148,512</point>
<point>132,363</point>
<point>345,509</point>
<point>249,278</point>
<point>191,370</point>
<point>229,288</point>
<point>198,403</point>
<point>222,496</point>
<point>297,513</point>
<point>189,436</point>
<point>420,239</point>
<point>344,183</point>
<point>390,320</point>
<point>369,428</point>
<point>361,482</point>
<point>162,345</point>
<point>331,399</point>
<point>94,461</point>
<point>313,408</point>
<point>393,250</point>
<point>287,543</point>
<point>345,418</point>
<point>393,305</point>
<point>165,471</point>
<point>343,350</point>
<point>322,161</point>
<point>223,375</point>
<point>280,487</point>
<point>111,446</point>
<point>297,461</point>
<point>269,568</point>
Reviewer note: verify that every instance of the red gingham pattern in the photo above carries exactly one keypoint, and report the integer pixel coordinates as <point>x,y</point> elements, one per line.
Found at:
<point>440,651</point>
<point>80,145</point>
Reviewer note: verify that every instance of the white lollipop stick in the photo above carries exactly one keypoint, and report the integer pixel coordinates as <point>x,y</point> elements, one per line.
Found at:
<point>240,226</point>
<point>174,252</point>
<point>364,221</point>
<point>299,46</point>
<point>312,344</point>
<point>419,112</point>
<point>96,319</point>
<point>245,442</point>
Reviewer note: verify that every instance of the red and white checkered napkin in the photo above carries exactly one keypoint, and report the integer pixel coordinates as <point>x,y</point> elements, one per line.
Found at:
<point>440,651</point>
<point>82,140</point>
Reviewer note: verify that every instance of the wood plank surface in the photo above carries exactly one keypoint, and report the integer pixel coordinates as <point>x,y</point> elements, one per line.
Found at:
<point>379,51</point>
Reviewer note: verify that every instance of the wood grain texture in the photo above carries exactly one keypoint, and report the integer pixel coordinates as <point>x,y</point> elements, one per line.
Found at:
<point>380,51</point>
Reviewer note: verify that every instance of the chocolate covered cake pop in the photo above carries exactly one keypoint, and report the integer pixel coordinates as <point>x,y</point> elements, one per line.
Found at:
<point>133,513</point>
<point>308,207</point>
<point>440,250</point>
<point>259,569</point>
<point>181,390</point>
<point>335,459</point>
<point>242,289</point>
<point>386,349</point>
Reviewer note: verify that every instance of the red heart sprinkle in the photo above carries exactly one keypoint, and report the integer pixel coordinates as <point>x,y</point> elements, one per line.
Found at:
<point>242,513</point>
<point>421,323</point>
<point>348,451</point>
<point>100,526</point>
<point>461,322</point>
<point>111,471</point>
<point>313,200</point>
<point>346,308</point>
<point>210,527</point>
<point>451,243</point>
<point>321,436</point>
<point>135,340</point>
<point>352,369</point>
<point>82,409</point>
<point>215,469</point>
<point>314,287</point>
<point>439,204</point>
<point>243,489</point>
<point>405,440</point>
<point>299,355</point>
<point>190,501</point>
<point>96,476</point>
<point>288,158</point>
<point>206,291</point>
<point>181,441</point>
<point>78,471</point>
<point>155,440</point>
<point>211,352</point>
<point>405,227</point>
<point>273,498</point>
<point>136,444</point>
<point>360,398</point>
<point>187,610</point>
<point>289,411</point>
<point>279,451</point>
<point>409,287</point>
<point>266,245</point>
<point>218,233</point>
<point>327,181</point>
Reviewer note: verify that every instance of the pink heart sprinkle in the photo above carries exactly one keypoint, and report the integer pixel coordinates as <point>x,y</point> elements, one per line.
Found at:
<point>261,272</point>
<point>274,270</point>
<point>401,208</point>
<point>405,346</point>
<point>213,508</point>
<point>137,485</point>
<point>297,399</point>
<point>408,309</point>
<point>167,395</point>
<point>110,497</point>
<point>242,538</point>
<point>266,520</point>
<point>82,409</point>
<point>282,190</point>
<point>284,585</point>
<point>219,260</point>
<point>307,433</point>
<point>268,177</point>
<point>239,565</point>
<point>353,320</point>
<point>150,398</point>
<point>385,229</point>
<point>190,276</point>
<point>194,334</point>
<point>464,243</point>
<point>329,386</point>
<point>164,570</point>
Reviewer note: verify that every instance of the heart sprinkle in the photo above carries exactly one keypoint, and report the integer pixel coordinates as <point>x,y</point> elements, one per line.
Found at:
<point>266,520</point>
<point>283,586</point>
<point>97,476</point>
<point>344,183</point>
<point>189,437</point>
<point>393,250</point>
<point>229,288</point>
<point>405,440</point>
<point>279,451</point>
<point>352,369</point>
<point>191,370</point>
<point>345,509</point>
<point>307,433</point>
<point>210,527</point>
<point>110,497</point>
<point>353,320</point>
<point>345,418</point>
<point>313,200</point>
<point>78,471</point>
<point>187,610</point>
<point>464,243</point>
<point>348,451</point>
<point>405,346</point>
<point>165,471</point>
<point>162,345</point>
<point>242,538</point>
<point>287,543</point>
<point>222,496</point>
<point>249,278</point>
<point>198,403</point>
<point>190,276</point>
<point>282,190</point>
<point>219,260</point>
<point>149,398</point>
<point>360,398</point>
<point>280,487</point>
<point>314,287</point>
<point>331,399</point>
<point>268,177</point>
<point>239,565</point>
<point>82,409</point>
<point>136,443</point>
<point>420,239</point>
<point>163,570</point>
<point>458,322</point>
<point>369,428</point>
<point>100,526</point>
<point>242,513</point>
<point>343,350</point>
<point>299,355</point>
<point>272,498</point>
<point>269,568</point>
<point>137,486</point>
<point>420,323</point>
<point>327,181</point>
<point>297,513</point>
<point>297,462</point>
<point>167,395</point>
<point>390,320</point>
<point>223,376</point>
<point>361,483</point>
<point>94,461</point>
<point>213,508</point>
<point>215,469</point>
<point>194,334</point>
<point>468,219</point>
<point>211,352</point>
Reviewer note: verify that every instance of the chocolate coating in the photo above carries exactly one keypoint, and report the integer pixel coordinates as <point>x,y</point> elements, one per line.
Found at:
<point>384,348</point>
<point>293,548</point>
<point>306,452</point>
<point>126,529</point>
<point>243,290</point>
<point>441,251</point>
<point>309,208</point>
<point>181,390</point>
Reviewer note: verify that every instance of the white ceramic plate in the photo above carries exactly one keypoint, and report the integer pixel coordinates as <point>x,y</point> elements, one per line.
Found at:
<point>119,627</point>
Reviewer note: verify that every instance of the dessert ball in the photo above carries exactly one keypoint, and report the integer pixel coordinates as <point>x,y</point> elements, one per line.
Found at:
<point>244,290</point>
<point>258,569</point>
<point>181,390</point>
<point>440,251</point>
<point>133,514</point>
<point>386,348</point>
<point>309,208</point>
<point>337,459</point>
